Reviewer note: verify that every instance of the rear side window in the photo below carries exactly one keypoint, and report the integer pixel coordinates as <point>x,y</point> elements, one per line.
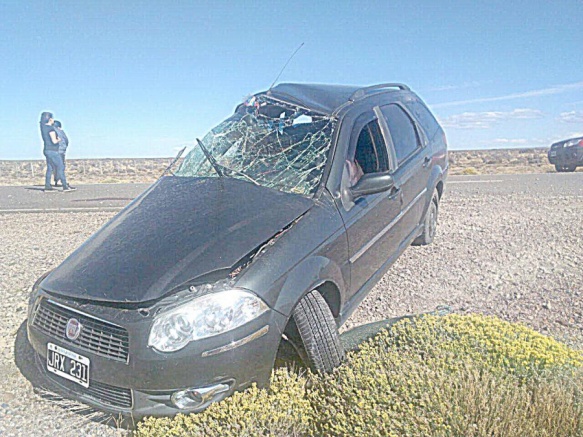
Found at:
<point>425,117</point>
<point>403,133</point>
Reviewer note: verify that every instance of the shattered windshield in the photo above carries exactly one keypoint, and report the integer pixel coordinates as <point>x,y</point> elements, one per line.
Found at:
<point>268,143</point>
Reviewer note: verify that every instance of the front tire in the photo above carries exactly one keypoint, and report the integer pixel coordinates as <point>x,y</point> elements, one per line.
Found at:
<point>429,223</point>
<point>320,340</point>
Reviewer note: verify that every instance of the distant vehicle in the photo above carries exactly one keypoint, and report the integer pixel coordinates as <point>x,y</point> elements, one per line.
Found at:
<point>567,155</point>
<point>273,229</point>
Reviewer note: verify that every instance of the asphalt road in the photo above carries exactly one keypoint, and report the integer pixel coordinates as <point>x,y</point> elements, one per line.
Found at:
<point>97,197</point>
<point>113,197</point>
<point>543,184</point>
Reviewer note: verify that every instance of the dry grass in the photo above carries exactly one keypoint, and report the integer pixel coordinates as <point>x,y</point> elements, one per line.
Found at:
<point>454,376</point>
<point>147,170</point>
<point>86,171</point>
<point>500,161</point>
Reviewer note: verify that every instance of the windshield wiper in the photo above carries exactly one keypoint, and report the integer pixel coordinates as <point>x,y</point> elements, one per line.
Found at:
<point>169,168</point>
<point>232,170</point>
<point>210,158</point>
<point>219,167</point>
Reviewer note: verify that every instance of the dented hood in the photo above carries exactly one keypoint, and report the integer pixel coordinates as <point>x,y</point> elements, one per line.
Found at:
<point>180,229</point>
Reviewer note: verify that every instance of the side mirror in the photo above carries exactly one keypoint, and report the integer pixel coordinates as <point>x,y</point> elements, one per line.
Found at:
<point>371,183</point>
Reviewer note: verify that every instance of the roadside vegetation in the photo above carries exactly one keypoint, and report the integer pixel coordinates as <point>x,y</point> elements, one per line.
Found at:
<point>147,170</point>
<point>427,376</point>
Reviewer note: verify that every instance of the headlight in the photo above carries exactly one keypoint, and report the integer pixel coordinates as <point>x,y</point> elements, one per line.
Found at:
<point>204,317</point>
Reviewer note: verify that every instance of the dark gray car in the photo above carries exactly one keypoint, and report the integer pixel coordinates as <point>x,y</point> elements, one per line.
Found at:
<point>271,232</point>
<point>567,155</point>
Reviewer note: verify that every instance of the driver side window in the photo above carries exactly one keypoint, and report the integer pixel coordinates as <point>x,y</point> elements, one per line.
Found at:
<point>369,154</point>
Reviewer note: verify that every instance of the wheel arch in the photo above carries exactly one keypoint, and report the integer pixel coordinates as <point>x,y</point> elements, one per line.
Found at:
<point>314,273</point>
<point>435,183</point>
<point>439,188</point>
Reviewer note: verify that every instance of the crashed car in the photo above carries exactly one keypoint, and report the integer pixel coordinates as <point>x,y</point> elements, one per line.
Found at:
<point>270,232</point>
<point>567,155</point>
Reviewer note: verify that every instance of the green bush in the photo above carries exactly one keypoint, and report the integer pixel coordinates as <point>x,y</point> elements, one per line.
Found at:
<point>428,376</point>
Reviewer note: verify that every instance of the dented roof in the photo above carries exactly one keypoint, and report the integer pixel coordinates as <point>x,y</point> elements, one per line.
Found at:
<point>327,99</point>
<point>324,99</point>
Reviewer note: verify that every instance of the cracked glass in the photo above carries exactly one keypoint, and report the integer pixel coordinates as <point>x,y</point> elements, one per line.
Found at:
<point>266,142</point>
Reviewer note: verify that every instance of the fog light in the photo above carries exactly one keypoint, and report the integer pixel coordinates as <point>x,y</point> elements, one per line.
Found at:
<point>193,398</point>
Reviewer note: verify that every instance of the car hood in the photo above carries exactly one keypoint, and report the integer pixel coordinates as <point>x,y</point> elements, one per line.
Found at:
<point>178,230</point>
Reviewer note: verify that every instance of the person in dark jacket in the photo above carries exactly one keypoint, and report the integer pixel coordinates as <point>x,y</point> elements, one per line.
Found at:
<point>63,144</point>
<point>51,152</point>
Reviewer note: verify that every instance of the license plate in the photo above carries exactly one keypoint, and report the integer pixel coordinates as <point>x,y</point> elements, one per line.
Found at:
<point>553,153</point>
<point>68,364</point>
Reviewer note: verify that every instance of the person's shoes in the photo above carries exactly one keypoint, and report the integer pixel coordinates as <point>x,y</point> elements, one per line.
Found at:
<point>68,189</point>
<point>49,190</point>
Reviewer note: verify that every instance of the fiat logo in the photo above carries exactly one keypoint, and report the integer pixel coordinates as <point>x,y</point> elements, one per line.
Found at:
<point>73,329</point>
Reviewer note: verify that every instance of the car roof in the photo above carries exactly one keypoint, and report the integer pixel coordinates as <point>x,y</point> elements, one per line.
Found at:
<point>325,99</point>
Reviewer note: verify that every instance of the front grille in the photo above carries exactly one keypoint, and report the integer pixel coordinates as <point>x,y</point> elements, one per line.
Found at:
<point>97,336</point>
<point>102,393</point>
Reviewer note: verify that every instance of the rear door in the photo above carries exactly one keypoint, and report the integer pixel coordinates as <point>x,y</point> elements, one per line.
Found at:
<point>412,164</point>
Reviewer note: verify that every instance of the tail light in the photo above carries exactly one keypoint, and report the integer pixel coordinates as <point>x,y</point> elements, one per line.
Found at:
<point>580,143</point>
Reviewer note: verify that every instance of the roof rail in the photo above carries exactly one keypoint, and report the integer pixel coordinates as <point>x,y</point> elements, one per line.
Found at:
<point>360,93</point>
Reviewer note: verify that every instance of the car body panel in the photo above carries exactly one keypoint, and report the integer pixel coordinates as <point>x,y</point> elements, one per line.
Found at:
<point>179,230</point>
<point>314,250</point>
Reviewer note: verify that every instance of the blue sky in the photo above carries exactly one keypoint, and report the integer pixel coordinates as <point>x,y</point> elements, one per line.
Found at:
<point>140,79</point>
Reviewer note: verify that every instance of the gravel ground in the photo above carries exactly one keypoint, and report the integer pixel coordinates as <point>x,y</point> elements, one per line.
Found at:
<point>518,256</point>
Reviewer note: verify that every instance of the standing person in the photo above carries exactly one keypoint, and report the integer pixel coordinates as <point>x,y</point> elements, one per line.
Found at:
<point>51,152</point>
<point>63,144</point>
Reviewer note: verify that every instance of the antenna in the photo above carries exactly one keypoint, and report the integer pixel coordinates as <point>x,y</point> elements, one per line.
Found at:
<point>288,61</point>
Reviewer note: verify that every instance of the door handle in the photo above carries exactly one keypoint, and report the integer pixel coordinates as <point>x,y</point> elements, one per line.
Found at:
<point>426,161</point>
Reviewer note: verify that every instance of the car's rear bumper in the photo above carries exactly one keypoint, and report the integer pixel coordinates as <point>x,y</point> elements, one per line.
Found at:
<point>570,156</point>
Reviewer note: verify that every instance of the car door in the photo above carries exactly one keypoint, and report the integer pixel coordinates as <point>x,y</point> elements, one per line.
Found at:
<point>369,219</point>
<point>412,161</point>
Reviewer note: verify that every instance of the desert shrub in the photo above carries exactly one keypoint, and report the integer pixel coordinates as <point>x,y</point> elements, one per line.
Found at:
<point>282,410</point>
<point>453,376</point>
<point>427,376</point>
<point>470,171</point>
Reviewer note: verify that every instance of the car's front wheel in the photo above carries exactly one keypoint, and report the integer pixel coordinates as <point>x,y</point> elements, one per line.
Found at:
<point>321,349</point>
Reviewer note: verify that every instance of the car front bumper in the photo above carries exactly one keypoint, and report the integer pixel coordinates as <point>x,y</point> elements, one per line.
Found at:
<point>143,384</point>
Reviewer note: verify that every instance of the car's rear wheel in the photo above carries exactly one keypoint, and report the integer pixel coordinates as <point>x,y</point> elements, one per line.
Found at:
<point>429,223</point>
<point>320,347</point>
